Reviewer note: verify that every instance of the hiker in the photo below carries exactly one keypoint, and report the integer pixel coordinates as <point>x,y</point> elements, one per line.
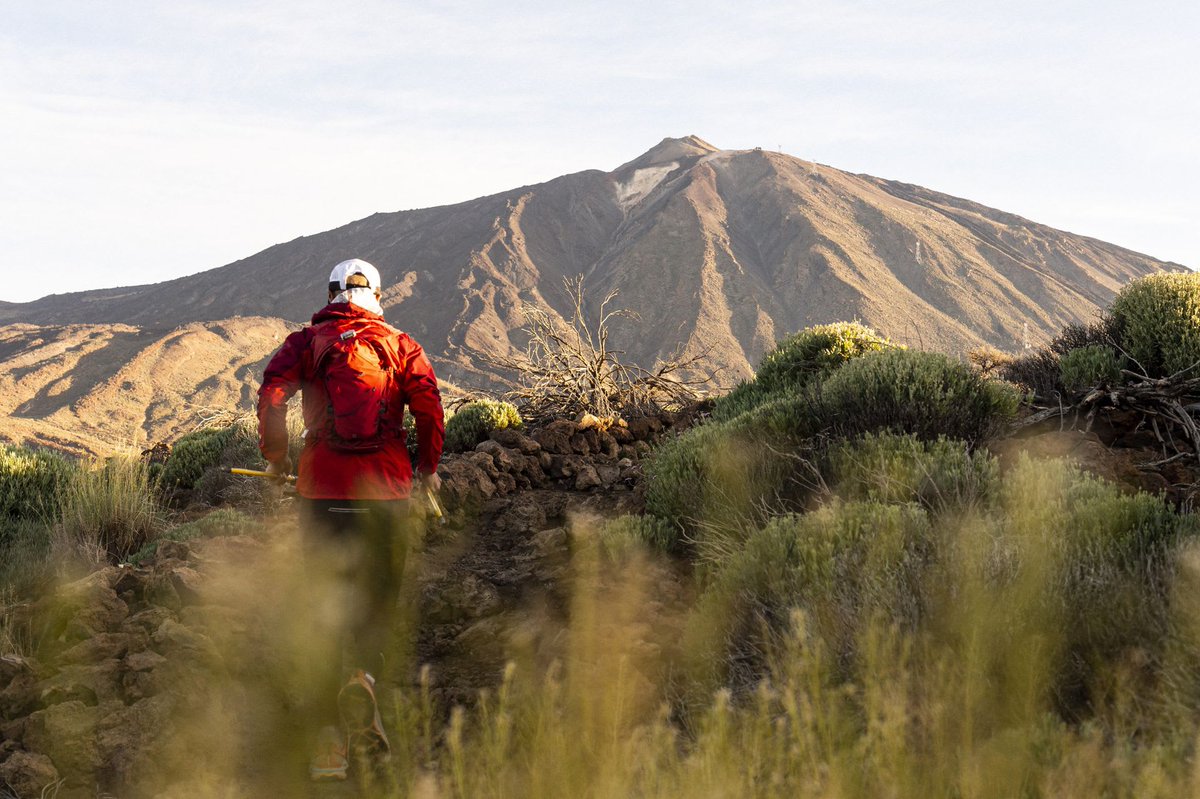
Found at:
<point>355,477</point>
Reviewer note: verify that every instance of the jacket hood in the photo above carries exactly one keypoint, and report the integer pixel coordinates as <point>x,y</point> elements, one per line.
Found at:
<point>343,310</point>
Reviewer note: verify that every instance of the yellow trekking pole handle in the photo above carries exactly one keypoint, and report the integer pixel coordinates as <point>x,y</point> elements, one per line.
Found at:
<point>291,478</point>
<point>434,506</point>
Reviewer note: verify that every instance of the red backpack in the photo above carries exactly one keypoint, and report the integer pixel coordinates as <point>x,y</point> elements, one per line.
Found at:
<point>357,361</point>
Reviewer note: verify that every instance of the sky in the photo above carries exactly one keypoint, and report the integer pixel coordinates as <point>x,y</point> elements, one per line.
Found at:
<point>142,141</point>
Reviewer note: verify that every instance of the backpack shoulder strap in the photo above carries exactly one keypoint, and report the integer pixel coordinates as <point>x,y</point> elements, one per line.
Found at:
<point>324,336</point>
<point>386,338</point>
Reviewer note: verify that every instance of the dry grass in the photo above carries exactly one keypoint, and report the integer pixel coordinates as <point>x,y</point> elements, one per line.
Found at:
<point>962,708</point>
<point>964,704</point>
<point>109,512</point>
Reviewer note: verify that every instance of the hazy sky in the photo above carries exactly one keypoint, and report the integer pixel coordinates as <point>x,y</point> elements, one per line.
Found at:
<point>147,140</point>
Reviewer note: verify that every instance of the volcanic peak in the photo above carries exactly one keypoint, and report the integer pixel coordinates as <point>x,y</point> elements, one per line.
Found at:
<point>668,150</point>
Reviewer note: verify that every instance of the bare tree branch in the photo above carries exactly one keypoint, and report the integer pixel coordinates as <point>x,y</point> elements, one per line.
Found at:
<point>569,367</point>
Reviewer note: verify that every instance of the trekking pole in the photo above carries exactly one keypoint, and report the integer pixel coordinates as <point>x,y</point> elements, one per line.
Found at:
<point>291,478</point>
<point>434,506</point>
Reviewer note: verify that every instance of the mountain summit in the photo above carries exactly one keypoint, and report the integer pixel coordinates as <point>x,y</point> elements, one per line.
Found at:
<point>720,250</point>
<point>689,148</point>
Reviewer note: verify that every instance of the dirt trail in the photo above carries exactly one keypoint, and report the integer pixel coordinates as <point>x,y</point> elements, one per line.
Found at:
<point>507,592</point>
<point>497,589</point>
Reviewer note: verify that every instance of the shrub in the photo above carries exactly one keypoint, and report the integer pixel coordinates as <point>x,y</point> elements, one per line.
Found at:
<point>1037,372</point>
<point>31,484</point>
<point>677,476</point>
<point>195,452</point>
<point>840,564</point>
<point>712,484</point>
<point>1156,320</point>
<point>1075,335</point>
<point>1090,366</point>
<point>569,367</point>
<point>816,351</point>
<point>1089,526</point>
<point>1057,563</point>
<point>799,360</point>
<point>1040,371</point>
<point>940,475</point>
<point>199,462</point>
<point>216,485</point>
<point>109,511</point>
<point>473,421</point>
<point>719,480</point>
<point>1095,561</point>
<point>922,393</point>
<point>24,566</point>
<point>786,421</point>
<point>223,521</point>
<point>745,396</point>
<point>989,361</point>
<point>624,533</point>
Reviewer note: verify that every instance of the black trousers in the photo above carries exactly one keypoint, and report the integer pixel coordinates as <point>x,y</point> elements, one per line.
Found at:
<point>354,551</point>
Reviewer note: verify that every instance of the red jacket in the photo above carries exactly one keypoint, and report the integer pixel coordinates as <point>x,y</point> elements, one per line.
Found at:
<point>326,473</point>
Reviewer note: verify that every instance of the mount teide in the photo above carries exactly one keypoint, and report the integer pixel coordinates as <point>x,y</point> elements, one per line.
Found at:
<point>720,249</point>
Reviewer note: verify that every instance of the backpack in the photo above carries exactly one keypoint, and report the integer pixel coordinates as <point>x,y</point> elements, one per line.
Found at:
<point>357,363</point>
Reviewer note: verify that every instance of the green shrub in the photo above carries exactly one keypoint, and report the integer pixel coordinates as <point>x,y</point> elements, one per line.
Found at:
<point>1096,564</point>
<point>24,563</point>
<point>1087,367</point>
<point>719,480</point>
<point>199,462</point>
<point>799,360</point>
<point>712,484</point>
<point>1057,563</point>
<point>841,564</point>
<point>745,396</point>
<point>1156,320</point>
<point>651,532</point>
<point>923,393</point>
<point>1037,372</point>
<point>31,484</point>
<point>786,421</point>
<point>1089,526</point>
<point>473,421</point>
<point>195,452</point>
<point>222,521</point>
<point>1040,371</point>
<point>815,352</point>
<point>940,475</point>
<point>109,511</point>
<point>677,477</point>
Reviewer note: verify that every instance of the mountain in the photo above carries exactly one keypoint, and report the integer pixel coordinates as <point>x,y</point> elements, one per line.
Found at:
<point>720,250</point>
<point>91,388</point>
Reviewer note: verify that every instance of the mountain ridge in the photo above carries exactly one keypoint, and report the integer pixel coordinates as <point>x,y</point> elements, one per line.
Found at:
<point>718,251</point>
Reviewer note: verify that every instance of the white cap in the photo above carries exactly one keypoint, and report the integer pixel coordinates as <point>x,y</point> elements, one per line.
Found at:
<point>355,266</point>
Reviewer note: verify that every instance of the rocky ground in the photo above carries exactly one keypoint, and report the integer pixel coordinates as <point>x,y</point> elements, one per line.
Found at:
<point>182,675</point>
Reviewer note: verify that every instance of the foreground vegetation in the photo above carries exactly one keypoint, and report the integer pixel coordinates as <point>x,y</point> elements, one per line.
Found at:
<point>873,602</point>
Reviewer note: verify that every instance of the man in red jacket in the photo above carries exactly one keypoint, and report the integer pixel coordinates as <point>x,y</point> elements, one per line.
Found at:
<point>354,479</point>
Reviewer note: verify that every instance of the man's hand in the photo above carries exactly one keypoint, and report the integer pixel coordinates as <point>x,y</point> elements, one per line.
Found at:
<point>280,469</point>
<point>431,482</point>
